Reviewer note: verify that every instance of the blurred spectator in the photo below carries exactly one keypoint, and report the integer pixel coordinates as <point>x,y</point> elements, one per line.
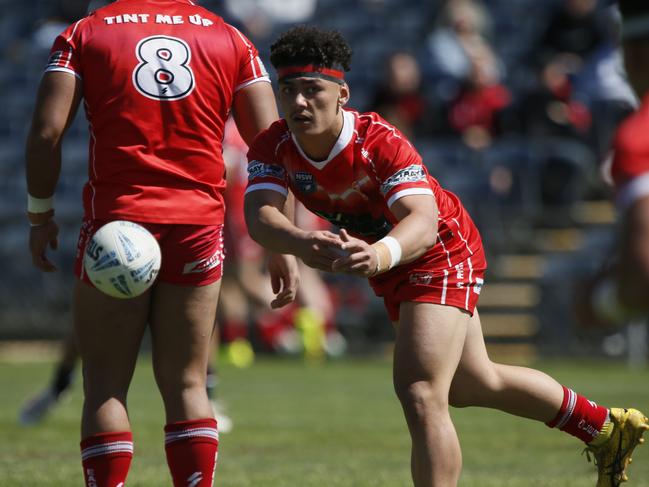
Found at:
<point>260,17</point>
<point>474,112</point>
<point>399,99</point>
<point>580,72</point>
<point>460,30</point>
<point>602,83</point>
<point>64,13</point>
<point>551,110</point>
<point>575,30</point>
<point>554,113</point>
<point>620,292</point>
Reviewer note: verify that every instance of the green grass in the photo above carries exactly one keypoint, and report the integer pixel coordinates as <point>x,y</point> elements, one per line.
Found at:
<point>337,425</point>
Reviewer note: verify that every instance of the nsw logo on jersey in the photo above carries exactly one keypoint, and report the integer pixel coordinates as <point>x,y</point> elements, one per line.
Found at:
<point>258,169</point>
<point>411,174</point>
<point>305,182</point>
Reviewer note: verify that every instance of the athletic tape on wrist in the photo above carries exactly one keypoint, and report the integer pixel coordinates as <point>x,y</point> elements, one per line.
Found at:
<point>38,224</point>
<point>39,205</point>
<point>394,247</point>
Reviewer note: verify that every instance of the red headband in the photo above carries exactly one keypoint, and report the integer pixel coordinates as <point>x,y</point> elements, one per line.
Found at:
<point>311,70</point>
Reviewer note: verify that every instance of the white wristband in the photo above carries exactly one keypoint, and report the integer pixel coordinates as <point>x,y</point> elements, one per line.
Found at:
<point>394,247</point>
<point>39,205</point>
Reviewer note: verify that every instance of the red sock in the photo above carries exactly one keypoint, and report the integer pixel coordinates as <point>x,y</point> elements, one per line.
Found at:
<point>579,417</point>
<point>191,448</point>
<point>106,458</point>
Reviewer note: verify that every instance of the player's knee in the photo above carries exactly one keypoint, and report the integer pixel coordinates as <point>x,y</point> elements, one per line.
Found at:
<point>99,385</point>
<point>421,398</point>
<point>106,399</point>
<point>172,383</point>
<point>475,390</point>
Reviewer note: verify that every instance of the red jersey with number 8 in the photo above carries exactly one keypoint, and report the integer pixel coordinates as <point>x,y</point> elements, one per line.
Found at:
<point>159,78</point>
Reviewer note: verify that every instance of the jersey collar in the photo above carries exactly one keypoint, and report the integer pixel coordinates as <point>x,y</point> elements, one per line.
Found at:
<point>344,139</point>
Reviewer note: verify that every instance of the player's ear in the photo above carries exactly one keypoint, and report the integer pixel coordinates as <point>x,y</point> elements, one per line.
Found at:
<point>343,95</point>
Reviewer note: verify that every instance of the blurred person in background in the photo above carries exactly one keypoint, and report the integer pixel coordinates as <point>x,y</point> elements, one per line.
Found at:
<point>555,111</point>
<point>581,76</point>
<point>421,253</point>
<point>64,12</point>
<point>38,406</point>
<point>400,98</point>
<point>460,29</point>
<point>474,112</point>
<point>620,293</point>
<point>158,80</point>
<point>260,17</point>
<point>603,84</point>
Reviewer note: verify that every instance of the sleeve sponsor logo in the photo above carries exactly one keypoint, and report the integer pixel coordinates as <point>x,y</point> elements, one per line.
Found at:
<point>258,169</point>
<point>411,174</point>
<point>55,58</point>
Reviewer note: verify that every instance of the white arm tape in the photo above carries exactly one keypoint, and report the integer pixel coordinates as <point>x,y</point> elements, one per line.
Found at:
<point>39,205</point>
<point>394,247</point>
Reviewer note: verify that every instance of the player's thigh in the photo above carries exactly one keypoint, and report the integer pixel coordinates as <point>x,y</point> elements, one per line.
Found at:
<point>108,332</point>
<point>182,322</point>
<point>429,344</point>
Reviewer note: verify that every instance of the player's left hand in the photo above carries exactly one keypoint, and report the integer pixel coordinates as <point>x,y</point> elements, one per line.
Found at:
<point>361,259</point>
<point>284,278</point>
<point>40,238</point>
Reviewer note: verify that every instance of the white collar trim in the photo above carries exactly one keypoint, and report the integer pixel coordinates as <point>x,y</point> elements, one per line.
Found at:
<point>344,139</point>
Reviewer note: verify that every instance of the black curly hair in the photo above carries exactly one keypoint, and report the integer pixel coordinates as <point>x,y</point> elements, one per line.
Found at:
<point>311,45</point>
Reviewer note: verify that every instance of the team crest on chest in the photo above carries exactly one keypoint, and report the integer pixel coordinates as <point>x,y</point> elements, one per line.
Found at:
<point>305,182</point>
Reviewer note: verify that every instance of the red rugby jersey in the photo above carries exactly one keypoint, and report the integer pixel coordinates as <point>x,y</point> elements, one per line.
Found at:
<point>158,78</point>
<point>370,167</point>
<point>630,169</point>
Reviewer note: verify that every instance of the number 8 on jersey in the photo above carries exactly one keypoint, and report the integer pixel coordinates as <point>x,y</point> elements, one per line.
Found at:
<point>163,72</point>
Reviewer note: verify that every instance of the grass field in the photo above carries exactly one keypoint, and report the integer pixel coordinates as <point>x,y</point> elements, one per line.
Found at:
<point>337,425</point>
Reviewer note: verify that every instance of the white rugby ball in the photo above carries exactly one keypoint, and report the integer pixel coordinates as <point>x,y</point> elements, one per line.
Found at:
<point>122,259</point>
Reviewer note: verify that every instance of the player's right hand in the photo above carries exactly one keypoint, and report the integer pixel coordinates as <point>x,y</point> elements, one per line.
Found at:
<point>40,237</point>
<point>321,249</point>
<point>358,258</point>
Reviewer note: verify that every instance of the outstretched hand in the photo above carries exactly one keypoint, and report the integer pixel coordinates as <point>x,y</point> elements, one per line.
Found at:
<point>360,257</point>
<point>284,278</point>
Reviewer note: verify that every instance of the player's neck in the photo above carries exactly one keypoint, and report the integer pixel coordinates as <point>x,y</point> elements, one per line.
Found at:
<point>317,147</point>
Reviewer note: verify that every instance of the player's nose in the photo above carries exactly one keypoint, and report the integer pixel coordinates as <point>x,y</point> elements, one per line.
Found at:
<point>300,100</point>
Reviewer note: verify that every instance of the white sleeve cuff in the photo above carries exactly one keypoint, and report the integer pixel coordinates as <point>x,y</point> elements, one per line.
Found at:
<point>408,192</point>
<point>63,70</point>
<point>268,186</point>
